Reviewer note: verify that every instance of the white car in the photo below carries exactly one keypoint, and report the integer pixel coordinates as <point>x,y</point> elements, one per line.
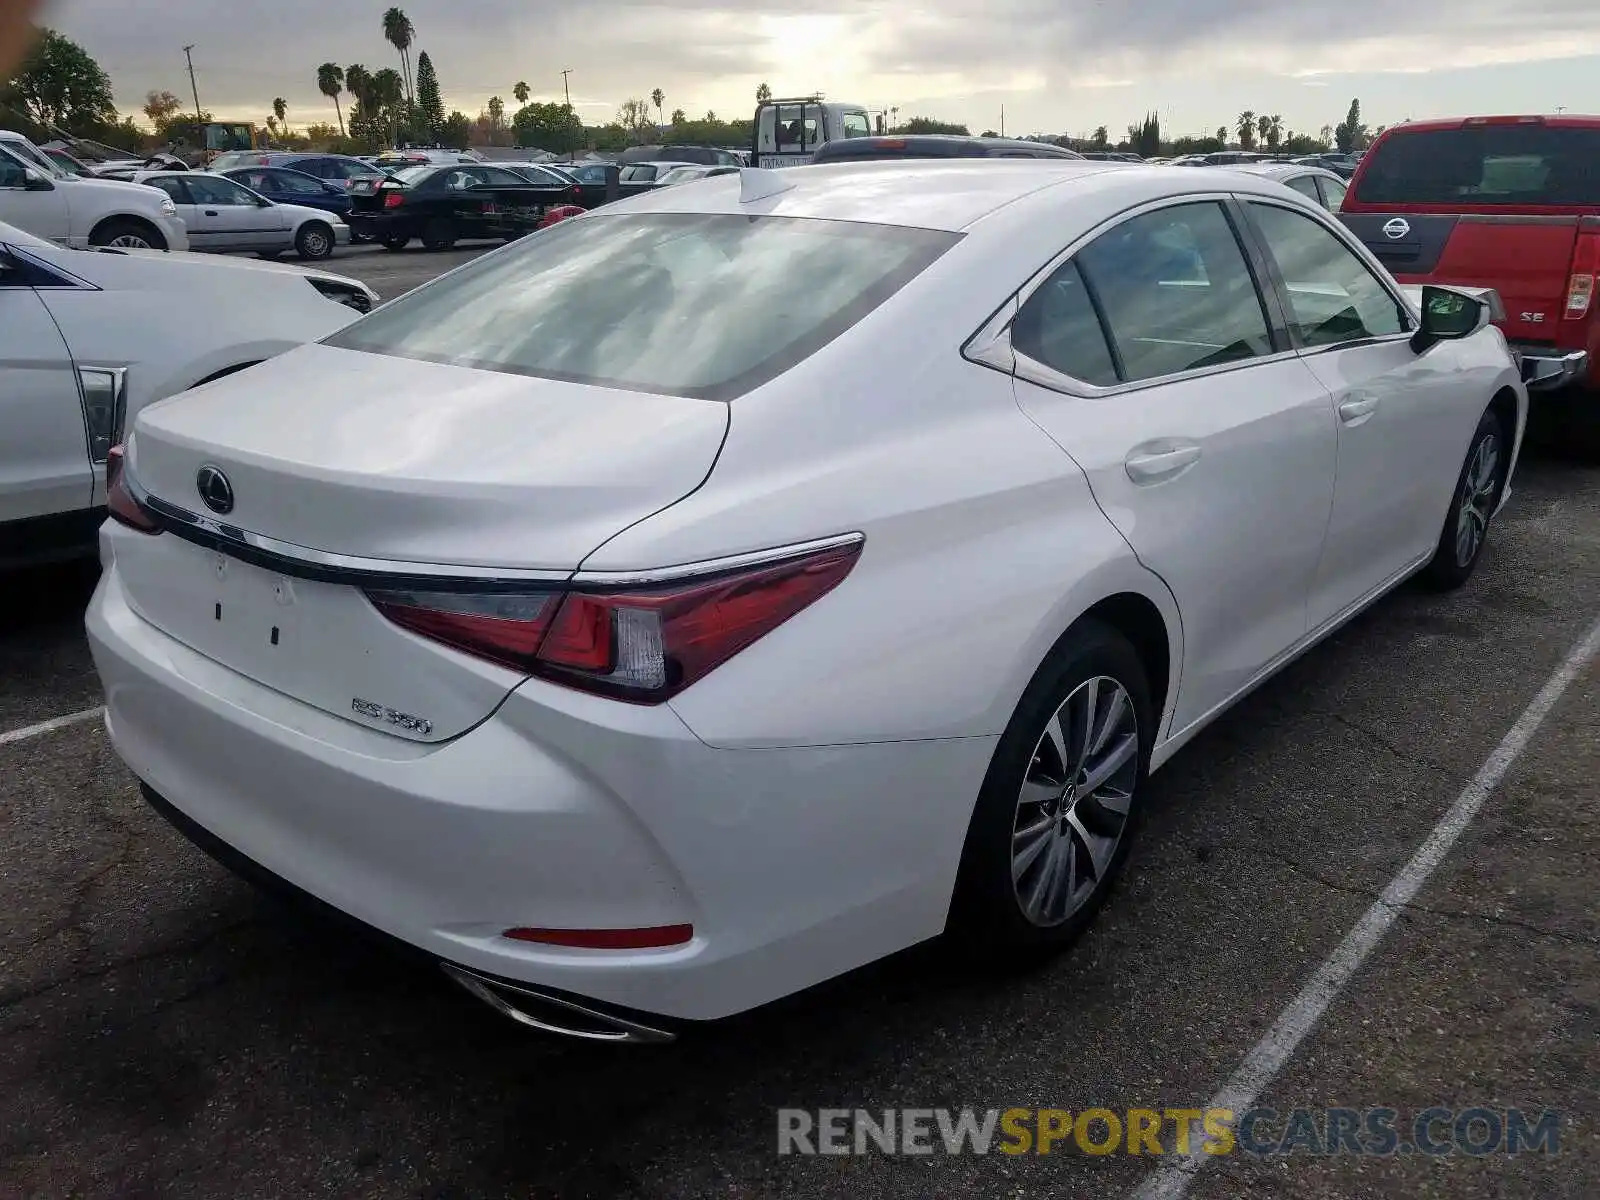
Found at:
<point>703,598</point>
<point>87,339</point>
<point>38,196</point>
<point>227,216</point>
<point>1317,184</point>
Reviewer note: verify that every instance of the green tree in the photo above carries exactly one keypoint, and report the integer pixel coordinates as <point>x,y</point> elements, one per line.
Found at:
<point>1222,136</point>
<point>330,82</point>
<point>552,127</point>
<point>280,109</point>
<point>1274,135</point>
<point>161,107</point>
<point>456,130</point>
<point>521,92</point>
<point>929,125</point>
<point>658,97</point>
<point>1101,139</point>
<point>60,85</point>
<point>763,93</point>
<point>634,116</point>
<point>430,105</point>
<point>679,117</point>
<point>399,32</point>
<point>1263,125</point>
<point>1245,126</point>
<point>1350,134</point>
<point>497,112</point>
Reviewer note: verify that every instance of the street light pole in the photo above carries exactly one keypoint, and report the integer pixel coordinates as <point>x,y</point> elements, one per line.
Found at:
<point>565,90</point>
<point>193,87</point>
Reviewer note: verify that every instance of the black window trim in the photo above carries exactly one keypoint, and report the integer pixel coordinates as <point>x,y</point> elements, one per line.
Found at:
<point>990,345</point>
<point>1280,286</point>
<point>40,275</point>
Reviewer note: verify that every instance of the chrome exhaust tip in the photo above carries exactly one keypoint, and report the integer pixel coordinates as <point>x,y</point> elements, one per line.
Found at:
<point>554,1014</point>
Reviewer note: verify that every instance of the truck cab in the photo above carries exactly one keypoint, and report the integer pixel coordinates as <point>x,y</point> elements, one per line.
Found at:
<point>789,131</point>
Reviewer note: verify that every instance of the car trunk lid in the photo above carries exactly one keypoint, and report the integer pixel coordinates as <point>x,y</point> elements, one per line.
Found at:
<point>429,476</point>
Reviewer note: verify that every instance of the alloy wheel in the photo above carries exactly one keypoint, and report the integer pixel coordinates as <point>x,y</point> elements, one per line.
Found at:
<point>130,241</point>
<point>1476,503</point>
<point>1073,807</point>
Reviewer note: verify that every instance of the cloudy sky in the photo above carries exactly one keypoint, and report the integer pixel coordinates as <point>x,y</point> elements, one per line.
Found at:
<point>1054,65</point>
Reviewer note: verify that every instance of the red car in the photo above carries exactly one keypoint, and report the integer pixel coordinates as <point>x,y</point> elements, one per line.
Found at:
<point>1511,203</point>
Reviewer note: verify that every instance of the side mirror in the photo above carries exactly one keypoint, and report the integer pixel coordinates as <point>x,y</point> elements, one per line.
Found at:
<point>1448,315</point>
<point>37,181</point>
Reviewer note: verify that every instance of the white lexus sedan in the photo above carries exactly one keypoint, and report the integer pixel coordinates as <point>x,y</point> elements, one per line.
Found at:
<point>716,592</point>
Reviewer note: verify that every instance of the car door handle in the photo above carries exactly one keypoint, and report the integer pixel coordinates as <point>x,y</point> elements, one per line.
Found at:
<point>211,212</point>
<point>1154,462</point>
<point>1357,408</point>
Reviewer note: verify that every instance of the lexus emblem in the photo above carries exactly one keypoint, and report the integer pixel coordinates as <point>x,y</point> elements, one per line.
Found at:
<point>214,489</point>
<point>1397,228</point>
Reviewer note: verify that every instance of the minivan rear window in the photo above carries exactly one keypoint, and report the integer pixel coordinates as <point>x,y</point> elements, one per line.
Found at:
<point>1512,165</point>
<point>707,305</point>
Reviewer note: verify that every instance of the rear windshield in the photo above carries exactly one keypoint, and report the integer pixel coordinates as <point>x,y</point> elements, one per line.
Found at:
<point>707,305</point>
<point>1513,165</point>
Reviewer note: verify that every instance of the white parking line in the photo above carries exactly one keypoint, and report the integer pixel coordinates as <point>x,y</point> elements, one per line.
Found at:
<point>1267,1058</point>
<point>28,731</point>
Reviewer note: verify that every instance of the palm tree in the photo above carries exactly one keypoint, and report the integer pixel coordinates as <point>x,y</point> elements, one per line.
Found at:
<point>1275,131</point>
<point>358,82</point>
<point>399,32</point>
<point>280,109</point>
<point>656,98</point>
<point>389,93</point>
<point>1263,127</point>
<point>1245,124</point>
<point>521,92</point>
<point>330,82</point>
<point>763,93</point>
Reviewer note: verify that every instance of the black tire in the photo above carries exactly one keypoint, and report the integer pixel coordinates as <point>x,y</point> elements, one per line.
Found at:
<point>439,234</point>
<point>396,243</point>
<point>988,923</point>
<point>315,241</point>
<point>1472,505</point>
<point>127,231</point>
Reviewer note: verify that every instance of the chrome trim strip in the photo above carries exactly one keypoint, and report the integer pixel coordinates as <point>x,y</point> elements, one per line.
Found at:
<point>716,566</point>
<point>290,558</point>
<point>490,991</point>
<point>306,562</point>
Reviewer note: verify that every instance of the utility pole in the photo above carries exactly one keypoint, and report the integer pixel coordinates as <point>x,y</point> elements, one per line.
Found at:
<point>192,85</point>
<point>1002,120</point>
<point>565,90</point>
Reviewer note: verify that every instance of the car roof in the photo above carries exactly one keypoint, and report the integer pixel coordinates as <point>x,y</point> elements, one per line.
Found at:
<point>949,194</point>
<point>1570,120</point>
<point>847,147</point>
<point>1277,170</point>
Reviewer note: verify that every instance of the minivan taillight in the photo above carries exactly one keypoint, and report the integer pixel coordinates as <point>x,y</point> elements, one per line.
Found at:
<point>639,644</point>
<point>120,504</point>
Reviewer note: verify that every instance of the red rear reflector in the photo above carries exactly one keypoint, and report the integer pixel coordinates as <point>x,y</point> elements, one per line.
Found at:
<point>120,504</point>
<point>607,939</point>
<point>640,644</point>
<point>393,200</point>
<point>892,143</point>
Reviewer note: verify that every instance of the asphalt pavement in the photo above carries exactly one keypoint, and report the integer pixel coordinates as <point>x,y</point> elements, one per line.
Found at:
<point>391,273</point>
<point>166,1032</point>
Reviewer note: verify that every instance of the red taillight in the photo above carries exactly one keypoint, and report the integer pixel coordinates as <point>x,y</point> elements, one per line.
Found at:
<point>1580,284</point>
<point>124,509</point>
<point>393,199</point>
<point>653,938</point>
<point>640,644</point>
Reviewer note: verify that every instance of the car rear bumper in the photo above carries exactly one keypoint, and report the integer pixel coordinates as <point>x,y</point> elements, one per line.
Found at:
<point>559,811</point>
<point>380,225</point>
<point>1545,368</point>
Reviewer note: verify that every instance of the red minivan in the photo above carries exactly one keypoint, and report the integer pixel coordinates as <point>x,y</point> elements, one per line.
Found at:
<point>1511,203</point>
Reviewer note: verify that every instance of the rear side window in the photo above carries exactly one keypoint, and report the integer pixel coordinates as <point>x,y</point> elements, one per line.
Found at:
<point>708,305</point>
<point>1512,165</point>
<point>1306,186</point>
<point>1176,291</point>
<point>1059,327</point>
